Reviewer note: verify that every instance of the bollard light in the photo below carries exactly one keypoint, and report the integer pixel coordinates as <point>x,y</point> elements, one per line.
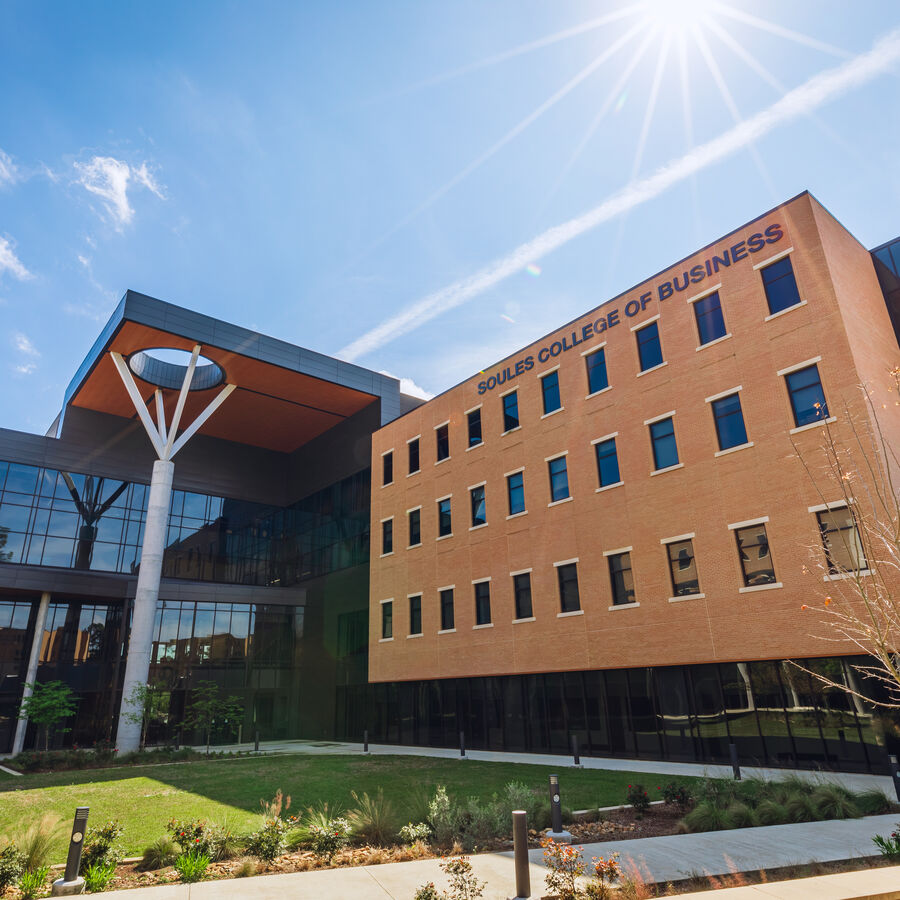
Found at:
<point>366,741</point>
<point>71,883</point>
<point>256,740</point>
<point>556,828</point>
<point>462,745</point>
<point>520,850</point>
<point>576,756</point>
<point>735,765</point>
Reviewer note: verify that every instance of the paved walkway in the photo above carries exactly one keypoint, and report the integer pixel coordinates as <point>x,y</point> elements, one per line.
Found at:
<point>658,859</point>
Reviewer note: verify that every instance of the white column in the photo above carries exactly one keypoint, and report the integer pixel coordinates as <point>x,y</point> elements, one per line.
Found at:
<point>31,673</point>
<point>137,665</point>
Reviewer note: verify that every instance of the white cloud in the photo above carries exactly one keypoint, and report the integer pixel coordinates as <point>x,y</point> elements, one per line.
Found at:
<point>801,101</point>
<point>8,171</point>
<point>408,386</point>
<point>108,179</point>
<point>9,262</point>
<point>26,368</point>
<point>24,345</point>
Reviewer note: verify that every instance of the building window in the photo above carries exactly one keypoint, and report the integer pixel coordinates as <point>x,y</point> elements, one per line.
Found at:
<point>522,595</point>
<point>596,371</point>
<point>840,538</point>
<point>415,527</point>
<point>683,568</point>
<point>474,418</point>
<point>550,392</point>
<point>445,525</point>
<point>415,614</point>
<point>387,619</point>
<point>387,537</point>
<point>781,286</point>
<point>729,418</point>
<point>479,508</point>
<point>607,462</point>
<point>447,619</point>
<point>559,479</point>
<point>443,442</point>
<point>807,397</point>
<point>621,578</point>
<point>387,462</point>
<point>510,410</point>
<point>483,603</point>
<point>569,600</point>
<point>710,321</point>
<point>515,492</point>
<point>413,455</point>
<point>665,451</point>
<point>755,555</point>
<point>649,347</point>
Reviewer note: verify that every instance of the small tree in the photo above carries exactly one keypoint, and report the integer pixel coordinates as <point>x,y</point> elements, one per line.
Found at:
<point>208,708</point>
<point>146,703</point>
<point>48,705</point>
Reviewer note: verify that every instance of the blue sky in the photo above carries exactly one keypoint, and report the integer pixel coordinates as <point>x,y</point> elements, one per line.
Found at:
<point>317,170</point>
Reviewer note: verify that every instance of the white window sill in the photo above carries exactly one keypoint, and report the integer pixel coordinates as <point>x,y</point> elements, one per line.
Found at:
<point>735,449</point>
<point>526,619</point>
<point>667,469</point>
<point>841,576</point>
<point>566,615</point>
<point>388,484</point>
<point>753,588</point>
<point>517,515</point>
<point>553,412</point>
<point>413,546</point>
<point>598,393</point>
<point>410,636</point>
<point>447,631</point>
<point>443,537</point>
<point>633,605</point>
<point>476,527</point>
<point>782,312</point>
<point>652,368</point>
<point>384,640</point>
<point>486,625</point>
<point>557,502</point>
<point>817,424</point>
<point>608,487</point>
<point>511,430</point>
<point>385,555</point>
<point>445,459</point>
<point>716,341</point>
<point>417,472</point>
<point>687,597</point>
<point>474,446</point>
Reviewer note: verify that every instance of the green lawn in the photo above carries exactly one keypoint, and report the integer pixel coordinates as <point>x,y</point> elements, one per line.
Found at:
<point>145,799</point>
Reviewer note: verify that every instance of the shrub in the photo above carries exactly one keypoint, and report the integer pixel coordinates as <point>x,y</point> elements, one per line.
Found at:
<point>31,882</point>
<point>443,816</point>
<point>832,801</point>
<point>872,802</point>
<point>800,808</point>
<point>37,841</point>
<point>100,845</point>
<point>411,833</point>
<point>222,843</point>
<point>190,835</point>
<point>675,794</point>
<point>191,866</point>
<point>480,822</point>
<point>329,839</point>
<point>161,853</point>
<point>638,798</point>
<point>463,883</point>
<point>707,816</point>
<point>604,871</point>
<point>565,865</point>
<point>12,865</point>
<point>269,841</point>
<point>98,875</point>
<point>246,869</point>
<point>889,847</point>
<point>427,892</point>
<point>517,795</point>
<point>741,815</point>
<point>771,812</point>
<point>373,818</point>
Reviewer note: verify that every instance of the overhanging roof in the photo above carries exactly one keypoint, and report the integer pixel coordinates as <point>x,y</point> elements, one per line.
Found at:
<point>286,395</point>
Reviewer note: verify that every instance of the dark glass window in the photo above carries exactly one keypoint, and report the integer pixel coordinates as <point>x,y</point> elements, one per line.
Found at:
<point>840,538</point>
<point>474,419</point>
<point>559,479</point>
<point>649,347</point>
<point>596,371</point>
<point>415,614</point>
<point>621,578</point>
<point>479,508</point>
<point>755,555</point>
<point>522,595</point>
<point>511,411</point>
<point>710,321</point>
<point>515,491</point>
<point>415,527</point>
<point>483,603</point>
<point>413,455</point>
<point>387,619</point>
<point>550,392</point>
<point>445,525</point>
<point>443,442</point>
<point>683,568</point>
<point>607,462</point>
<point>780,284</point>
<point>447,618</point>
<point>807,397</point>
<point>729,418</point>
<point>569,600</point>
<point>387,536</point>
<point>665,451</point>
<point>388,462</point>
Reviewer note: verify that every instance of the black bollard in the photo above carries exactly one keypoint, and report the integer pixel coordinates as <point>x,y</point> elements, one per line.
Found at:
<point>575,754</point>
<point>256,740</point>
<point>366,741</point>
<point>70,883</point>
<point>735,765</point>
<point>520,850</point>
<point>462,745</point>
<point>555,806</point>
<point>895,774</point>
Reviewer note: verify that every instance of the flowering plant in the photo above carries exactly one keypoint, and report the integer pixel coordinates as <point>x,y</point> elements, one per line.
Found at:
<point>638,798</point>
<point>566,866</point>
<point>889,847</point>
<point>330,837</point>
<point>605,872</point>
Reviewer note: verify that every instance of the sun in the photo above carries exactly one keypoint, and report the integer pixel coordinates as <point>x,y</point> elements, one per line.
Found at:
<point>676,16</point>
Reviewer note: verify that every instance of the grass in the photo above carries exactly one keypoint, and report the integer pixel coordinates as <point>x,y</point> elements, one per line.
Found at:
<point>232,789</point>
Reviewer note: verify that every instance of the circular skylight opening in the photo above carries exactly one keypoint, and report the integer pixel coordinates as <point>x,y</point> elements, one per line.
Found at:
<point>166,367</point>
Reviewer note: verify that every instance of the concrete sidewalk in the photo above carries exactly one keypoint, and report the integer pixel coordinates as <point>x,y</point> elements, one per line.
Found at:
<point>658,859</point>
